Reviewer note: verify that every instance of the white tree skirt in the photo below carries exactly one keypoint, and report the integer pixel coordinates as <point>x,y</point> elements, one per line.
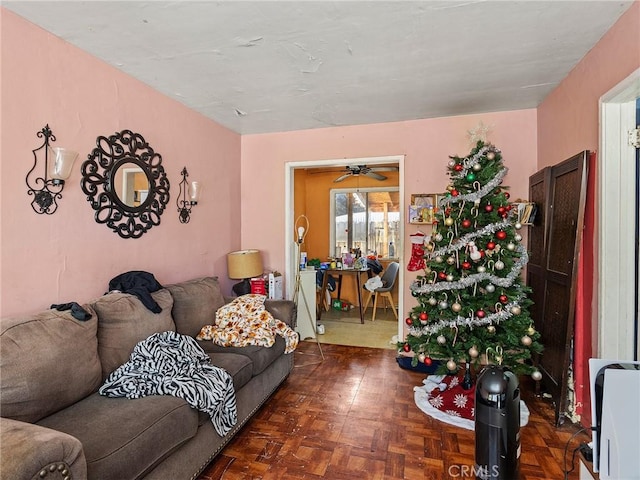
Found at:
<point>422,395</point>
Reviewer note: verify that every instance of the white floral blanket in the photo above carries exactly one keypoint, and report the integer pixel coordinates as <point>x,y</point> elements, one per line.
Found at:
<point>245,321</point>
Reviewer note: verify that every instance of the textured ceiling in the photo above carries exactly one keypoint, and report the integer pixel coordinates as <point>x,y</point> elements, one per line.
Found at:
<point>257,66</point>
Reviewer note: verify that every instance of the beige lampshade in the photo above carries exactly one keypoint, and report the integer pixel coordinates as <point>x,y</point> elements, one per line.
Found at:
<point>244,264</point>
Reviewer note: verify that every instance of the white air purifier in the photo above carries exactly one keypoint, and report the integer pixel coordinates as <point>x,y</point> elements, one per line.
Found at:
<point>615,410</point>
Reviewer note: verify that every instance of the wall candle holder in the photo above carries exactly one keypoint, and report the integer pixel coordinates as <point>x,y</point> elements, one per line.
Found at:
<point>47,189</point>
<point>188,197</point>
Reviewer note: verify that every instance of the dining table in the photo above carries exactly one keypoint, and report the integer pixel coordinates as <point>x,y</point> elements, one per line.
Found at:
<point>356,273</point>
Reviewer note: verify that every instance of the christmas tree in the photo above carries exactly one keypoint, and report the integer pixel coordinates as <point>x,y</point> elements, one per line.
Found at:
<point>472,302</point>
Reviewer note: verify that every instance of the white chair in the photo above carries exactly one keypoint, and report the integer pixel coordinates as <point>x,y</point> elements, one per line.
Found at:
<point>389,278</point>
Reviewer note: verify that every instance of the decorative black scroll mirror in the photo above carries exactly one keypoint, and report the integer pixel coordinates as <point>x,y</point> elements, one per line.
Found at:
<point>125,183</point>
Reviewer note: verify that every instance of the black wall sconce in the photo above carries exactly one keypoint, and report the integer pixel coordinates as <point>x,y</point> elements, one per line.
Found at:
<point>58,163</point>
<point>188,197</point>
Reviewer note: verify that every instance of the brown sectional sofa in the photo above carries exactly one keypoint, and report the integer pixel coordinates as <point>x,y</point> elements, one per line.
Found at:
<point>54,423</point>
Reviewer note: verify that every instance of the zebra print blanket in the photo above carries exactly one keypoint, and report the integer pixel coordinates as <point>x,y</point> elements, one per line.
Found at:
<point>172,364</point>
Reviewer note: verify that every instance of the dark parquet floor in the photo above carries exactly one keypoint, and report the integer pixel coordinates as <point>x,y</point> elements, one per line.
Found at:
<point>353,416</point>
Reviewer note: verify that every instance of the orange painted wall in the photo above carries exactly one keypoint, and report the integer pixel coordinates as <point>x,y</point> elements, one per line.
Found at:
<point>315,189</point>
<point>67,256</point>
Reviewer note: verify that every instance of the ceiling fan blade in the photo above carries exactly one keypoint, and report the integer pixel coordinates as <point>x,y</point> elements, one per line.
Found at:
<point>342,177</point>
<point>384,169</point>
<point>375,175</point>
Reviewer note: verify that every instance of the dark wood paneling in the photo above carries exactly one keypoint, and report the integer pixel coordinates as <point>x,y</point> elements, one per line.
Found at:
<point>559,193</point>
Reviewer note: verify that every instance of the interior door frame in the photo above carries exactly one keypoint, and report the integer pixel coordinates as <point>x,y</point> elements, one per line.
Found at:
<point>289,222</point>
<point>616,222</point>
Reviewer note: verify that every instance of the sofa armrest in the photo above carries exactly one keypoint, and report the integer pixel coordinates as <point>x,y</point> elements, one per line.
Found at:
<point>31,451</point>
<point>284,310</point>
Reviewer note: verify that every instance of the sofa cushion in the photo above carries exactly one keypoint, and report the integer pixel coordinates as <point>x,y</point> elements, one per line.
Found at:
<point>238,366</point>
<point>195,303</point>
<point>125,438</point>
<point>261,357</point>
<point>124,321</point>
<point>49,360</point>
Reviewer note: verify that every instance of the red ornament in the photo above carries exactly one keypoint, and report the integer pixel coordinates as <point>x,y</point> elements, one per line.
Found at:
<point>454,192</point>
<point>480,314</point>
<point>424,316</point>
<point>504,215</point>
<point>488,208</point>
<point>491,245</point>
<point>408,321</point>
<point>501,234</point>
<point>466,223</point>
<point>502,210</point>
<point>458,167</point>
<point>428,361</point>
<point>406,347</point>
<point>482,254</point>
<point>442,276</point>
<point>447,211</point>
<point>466,265</point>
<point>506,195</point>
<point>503,299</point>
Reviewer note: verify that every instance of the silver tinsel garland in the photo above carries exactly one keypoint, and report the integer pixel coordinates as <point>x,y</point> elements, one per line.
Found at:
<point>465,239</point>
<point>494,318</point>
<point>423,287</point>
<point>477,195</point>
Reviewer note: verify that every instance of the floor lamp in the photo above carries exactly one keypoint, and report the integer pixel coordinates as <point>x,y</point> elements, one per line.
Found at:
<point>301,230</point>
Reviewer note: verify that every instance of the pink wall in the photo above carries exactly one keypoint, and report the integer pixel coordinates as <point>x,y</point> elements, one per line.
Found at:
<point>427,145</point>
<point>568,122</point>
<point>568,117</point>
<point>67,256</point>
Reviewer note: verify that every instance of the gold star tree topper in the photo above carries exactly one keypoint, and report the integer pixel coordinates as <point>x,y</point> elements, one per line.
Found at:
<point>479,132</point>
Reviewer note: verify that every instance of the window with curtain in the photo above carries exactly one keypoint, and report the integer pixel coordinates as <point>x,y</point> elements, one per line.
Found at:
<point>365,221</point>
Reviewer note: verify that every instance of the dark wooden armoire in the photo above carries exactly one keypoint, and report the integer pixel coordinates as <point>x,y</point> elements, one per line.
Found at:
<point>559,193</point>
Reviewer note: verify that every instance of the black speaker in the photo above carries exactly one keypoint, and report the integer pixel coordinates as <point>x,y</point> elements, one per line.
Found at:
<point>497,424</point>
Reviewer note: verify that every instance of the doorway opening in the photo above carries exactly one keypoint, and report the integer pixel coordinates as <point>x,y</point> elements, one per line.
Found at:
<point>618,332</point>
<point>354,178</point>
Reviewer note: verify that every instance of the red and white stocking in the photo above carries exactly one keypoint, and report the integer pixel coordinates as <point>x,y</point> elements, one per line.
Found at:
<point>417,252</point>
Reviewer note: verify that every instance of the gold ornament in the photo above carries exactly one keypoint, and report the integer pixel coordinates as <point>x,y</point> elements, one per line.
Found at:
<point>451,365</point>
<point>536,375</point>
<point>448,221</point>
<point>491,329</point>
<point>526,340</point>
<point>473,352</point>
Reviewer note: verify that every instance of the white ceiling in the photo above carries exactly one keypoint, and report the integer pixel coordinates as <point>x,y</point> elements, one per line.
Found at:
<point>257,66</point>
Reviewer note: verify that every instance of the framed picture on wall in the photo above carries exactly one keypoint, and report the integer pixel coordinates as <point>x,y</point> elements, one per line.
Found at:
<point>423,208</point>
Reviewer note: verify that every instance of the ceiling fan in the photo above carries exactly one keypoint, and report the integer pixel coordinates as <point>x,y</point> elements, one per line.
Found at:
<point>355,170</point>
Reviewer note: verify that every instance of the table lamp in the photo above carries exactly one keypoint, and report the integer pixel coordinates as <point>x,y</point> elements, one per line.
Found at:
<point>244,264</point>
